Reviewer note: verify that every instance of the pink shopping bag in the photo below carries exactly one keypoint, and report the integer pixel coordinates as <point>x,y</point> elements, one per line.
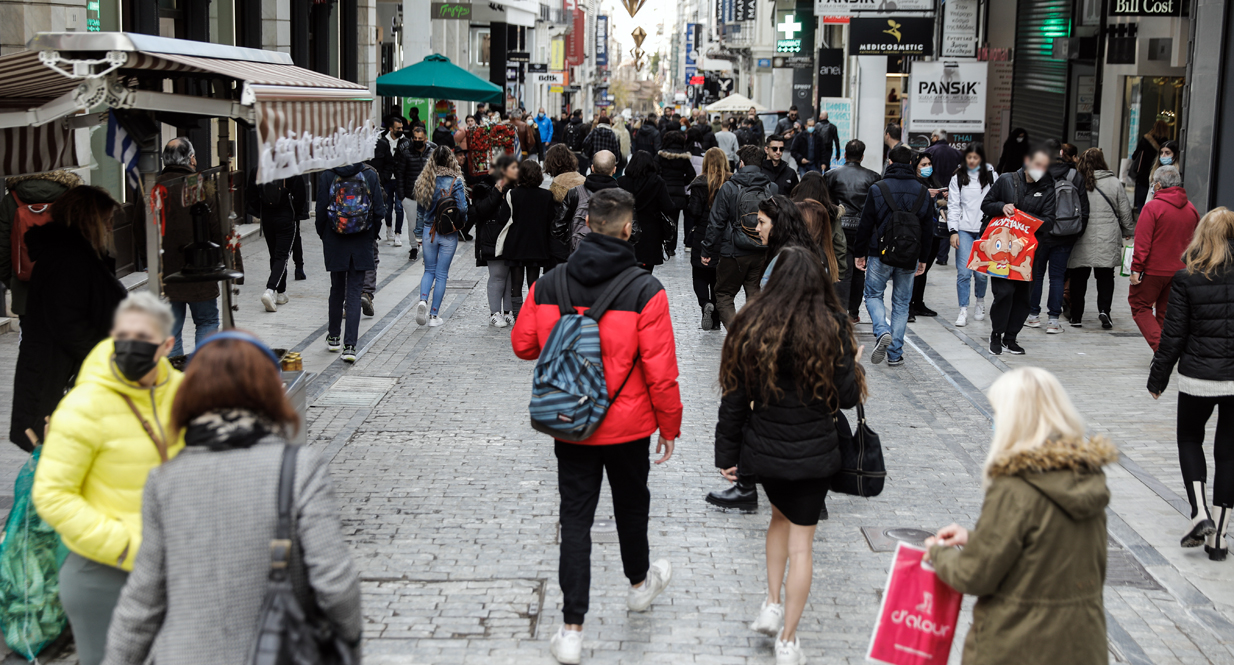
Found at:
<point>917,619</point>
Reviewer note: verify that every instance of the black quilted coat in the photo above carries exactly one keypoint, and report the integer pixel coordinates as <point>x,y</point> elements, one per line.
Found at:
<point>789,438</point>
<point>1197,335</point>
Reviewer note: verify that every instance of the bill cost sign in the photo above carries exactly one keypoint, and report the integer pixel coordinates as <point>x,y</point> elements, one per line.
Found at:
<point>947,96</point>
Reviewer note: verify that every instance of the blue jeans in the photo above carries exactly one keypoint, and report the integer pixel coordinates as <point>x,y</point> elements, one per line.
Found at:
<point>205,317</point>
<point>803,169</point>
<point>1055,260</point>
<point>877,275</point>
<point>419,222</point>
<point>345,292</point>
<point>394,207</point>
<point>964,276</point>
<point>438,253</point>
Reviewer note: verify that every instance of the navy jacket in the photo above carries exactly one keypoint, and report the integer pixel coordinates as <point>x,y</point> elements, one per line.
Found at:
<point>902,180</point>
<point>353,251</point>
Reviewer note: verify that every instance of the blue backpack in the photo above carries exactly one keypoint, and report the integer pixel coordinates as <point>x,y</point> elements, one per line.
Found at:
<point>569,396</point>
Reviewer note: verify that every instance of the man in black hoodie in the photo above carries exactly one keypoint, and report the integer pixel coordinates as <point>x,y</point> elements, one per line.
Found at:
<point>776,168</point>
<point>601,177</point>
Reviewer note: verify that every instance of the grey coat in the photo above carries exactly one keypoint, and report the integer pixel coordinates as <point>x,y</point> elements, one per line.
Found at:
<point>197,585</point>
<point>1101,246</point>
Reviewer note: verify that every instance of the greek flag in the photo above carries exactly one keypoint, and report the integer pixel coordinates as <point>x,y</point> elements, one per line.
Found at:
<point>123,149</point>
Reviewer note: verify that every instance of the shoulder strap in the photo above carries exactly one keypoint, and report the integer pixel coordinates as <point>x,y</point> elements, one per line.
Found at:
<point>921,197</point>
<point>615,287</point>
<point>280,547</point>
<point>159,442</point>
<point>887,197</point>
<point>562,283</point>
<point>1097,188</point>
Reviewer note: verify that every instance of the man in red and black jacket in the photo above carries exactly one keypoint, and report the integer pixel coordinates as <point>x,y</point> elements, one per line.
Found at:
<point>636,337</point>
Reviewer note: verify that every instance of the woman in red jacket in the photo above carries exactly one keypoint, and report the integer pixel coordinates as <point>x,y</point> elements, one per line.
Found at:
<point>1162,233</point>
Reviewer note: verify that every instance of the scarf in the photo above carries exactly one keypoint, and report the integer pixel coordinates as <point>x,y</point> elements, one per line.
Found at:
<point>228,429</point>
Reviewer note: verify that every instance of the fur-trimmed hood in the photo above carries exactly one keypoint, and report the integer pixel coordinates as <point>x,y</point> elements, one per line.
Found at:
<point>563,183</point>
<point>674,155</point>
<point>1068,472</point>
<point>61,177</point>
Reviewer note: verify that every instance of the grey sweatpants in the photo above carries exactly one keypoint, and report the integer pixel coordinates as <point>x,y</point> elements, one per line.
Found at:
<point>499,299</point>
<point>89,592</point>
<point>370,276</point>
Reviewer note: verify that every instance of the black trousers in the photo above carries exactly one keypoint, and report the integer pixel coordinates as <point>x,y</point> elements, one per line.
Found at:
<point>580,472</point>
<point>1193,415</point>
<point>704,280</point>
<point>854,283</point>
<point>919,282</point>
<point>345,286</point>
<point>297,249</point>
<point>518,276</point>
<point>1010,307</point>
<point>1079,289</point>
<point>281,236</point>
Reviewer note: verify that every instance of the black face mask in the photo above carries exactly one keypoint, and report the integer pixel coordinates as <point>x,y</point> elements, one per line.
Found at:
<point>135,358</point>
<point>418,145</point>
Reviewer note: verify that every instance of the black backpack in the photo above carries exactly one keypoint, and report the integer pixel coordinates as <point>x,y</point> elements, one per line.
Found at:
<point>1068,215</point>
<point>899,242</point>
<point>449,218</point>
<point>745,229</point>
<point>575,135</point>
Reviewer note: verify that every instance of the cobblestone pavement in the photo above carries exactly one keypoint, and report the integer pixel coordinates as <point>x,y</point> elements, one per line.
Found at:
<point>449,498</point>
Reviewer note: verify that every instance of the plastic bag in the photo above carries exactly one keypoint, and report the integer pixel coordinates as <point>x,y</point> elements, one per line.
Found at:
<point>917,620</point>
<point>31,615</point>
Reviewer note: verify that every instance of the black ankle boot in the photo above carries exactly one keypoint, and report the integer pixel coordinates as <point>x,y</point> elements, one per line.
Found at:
<point>742,495</point>
<point>1216,546</point>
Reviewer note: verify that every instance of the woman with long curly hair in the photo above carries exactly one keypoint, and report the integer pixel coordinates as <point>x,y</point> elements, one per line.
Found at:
<point>788,365</point>
<point>441,179</point>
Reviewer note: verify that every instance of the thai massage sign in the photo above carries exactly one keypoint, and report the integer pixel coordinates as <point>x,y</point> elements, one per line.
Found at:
<point>453,11</point>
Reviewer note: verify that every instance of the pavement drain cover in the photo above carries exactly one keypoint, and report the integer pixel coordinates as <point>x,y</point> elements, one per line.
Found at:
<point>884,538</point>
<point>1122,569</point>
<point>356,391</point>
<point>409,609</point>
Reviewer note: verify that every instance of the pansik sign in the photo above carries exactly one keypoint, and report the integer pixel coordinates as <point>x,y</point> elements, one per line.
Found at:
<point>948,96</point>
<point>897,35</point>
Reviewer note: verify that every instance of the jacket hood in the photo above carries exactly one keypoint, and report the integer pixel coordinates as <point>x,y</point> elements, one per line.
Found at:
<point>49,238</point>
<point>348,170</point>
<point>1102,174</point>
<point>99,369</point>
<point>574,120</point>
<point>599,258</point>
<point>900,171</point>
<point>595,182</point>
<point>563,183</point>
<point>63,178</point>
<point>1175,196</point>
<point>1068,472</point>
<point>674,155</point>
<point>751,176</point>
<point>1059,168</point>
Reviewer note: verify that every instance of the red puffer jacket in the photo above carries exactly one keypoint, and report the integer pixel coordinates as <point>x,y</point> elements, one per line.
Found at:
<point>637,323</point>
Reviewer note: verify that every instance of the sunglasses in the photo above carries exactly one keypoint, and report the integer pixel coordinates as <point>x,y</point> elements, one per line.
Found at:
<point>780,149</point>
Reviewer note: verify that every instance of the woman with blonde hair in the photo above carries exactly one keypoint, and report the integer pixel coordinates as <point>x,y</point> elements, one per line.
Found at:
<point>441,179</point>
<point>1037,557</point>
<point>1197,337</point>
<point>702,192</point>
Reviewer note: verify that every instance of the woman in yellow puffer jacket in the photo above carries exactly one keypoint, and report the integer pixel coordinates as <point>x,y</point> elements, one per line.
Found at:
<point>106,435</point>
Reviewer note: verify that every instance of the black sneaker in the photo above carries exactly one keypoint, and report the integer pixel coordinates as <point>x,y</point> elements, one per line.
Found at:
<point>895,362</point>
<point>1106,323</point>
<point>334,344</point>
<point>996,344</point>
<point>709,318</point>
<point>880,348</point>
<point>300,276</point>
<point>1076,323</point>
<point>912,318</point>
<point>1013,348</point>
<point>922,310</point>
<point>349,353</point>
<point>411,255</point>
<point>366,303</point>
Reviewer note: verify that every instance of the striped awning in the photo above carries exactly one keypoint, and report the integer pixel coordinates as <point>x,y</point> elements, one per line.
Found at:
<point>306,121</point>
<point>37,149</point>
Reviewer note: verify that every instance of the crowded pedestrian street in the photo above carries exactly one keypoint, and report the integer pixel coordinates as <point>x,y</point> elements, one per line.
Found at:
<point>448,497</point>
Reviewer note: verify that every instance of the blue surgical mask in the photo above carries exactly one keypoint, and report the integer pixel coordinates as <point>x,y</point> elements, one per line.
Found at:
<point>1166,161</point>
<point>927,172</point>
<point>684,128</point>
<point>810,129</point>
<point>974,170</point>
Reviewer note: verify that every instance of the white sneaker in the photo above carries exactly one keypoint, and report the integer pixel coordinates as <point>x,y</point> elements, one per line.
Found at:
<point>658,577</point>
<point>1033,321</point>
<point>567,646</point>
<point>980,312</point>
<point>267,299</point>
<point>1053,327</point>
<point>962,319</point>
<point>434,321</point>
<point>389,234</point>
<point>497,320</point>
<point>422,312</point>
<point>770,619</point>
<point>789,653</point>
<point>398,240</point>
<point>281,299</point>
<point>509,318</point>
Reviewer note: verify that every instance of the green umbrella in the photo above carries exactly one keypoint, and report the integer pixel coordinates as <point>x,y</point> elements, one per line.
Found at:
<point>435,77</point>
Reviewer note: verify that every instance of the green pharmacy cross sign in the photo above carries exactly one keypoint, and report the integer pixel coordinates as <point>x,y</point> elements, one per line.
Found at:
<point>790,27</point>
<point>93,22</point>
<point>452,11</point>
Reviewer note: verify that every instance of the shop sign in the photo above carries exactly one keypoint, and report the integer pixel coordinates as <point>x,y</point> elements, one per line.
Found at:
<point>602,41</point>
<point>697,80</point>
<point>512,74</point>
<point>791,29</point>
<point>537,68</point>
<point>845,7</point>
<point>1146,7</point>
<point>793,62</point>
<point>556,89</point>
<point>557,54</point>
<point>691,38</point>
<point>452,11</point>
<point>959,29</point>
<point>94,22</point>
<point>948,96</point>
<point>830,72</point>
<point>744,10</point>
<point>896,35</point>
<point>554,78</point>
<point>518,56</point>
<point>763,64</point>
<point>835,20</point>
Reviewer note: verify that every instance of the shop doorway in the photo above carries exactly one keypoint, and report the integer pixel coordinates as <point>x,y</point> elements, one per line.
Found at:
<point>1147,99</point>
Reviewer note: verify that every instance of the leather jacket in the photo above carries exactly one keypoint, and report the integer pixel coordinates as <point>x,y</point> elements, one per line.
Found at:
<point>848,186</point>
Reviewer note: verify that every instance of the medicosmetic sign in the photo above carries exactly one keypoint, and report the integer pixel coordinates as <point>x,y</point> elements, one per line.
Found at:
<point>891,35</point>
<point>947,95</point>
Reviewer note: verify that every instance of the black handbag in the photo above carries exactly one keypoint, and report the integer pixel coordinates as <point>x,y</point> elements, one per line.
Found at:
<point>286,635</point>
<point>862,471</point>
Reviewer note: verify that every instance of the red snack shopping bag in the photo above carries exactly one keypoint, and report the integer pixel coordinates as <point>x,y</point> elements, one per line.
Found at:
<point>917,620</point>
<point>1007,247</point>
